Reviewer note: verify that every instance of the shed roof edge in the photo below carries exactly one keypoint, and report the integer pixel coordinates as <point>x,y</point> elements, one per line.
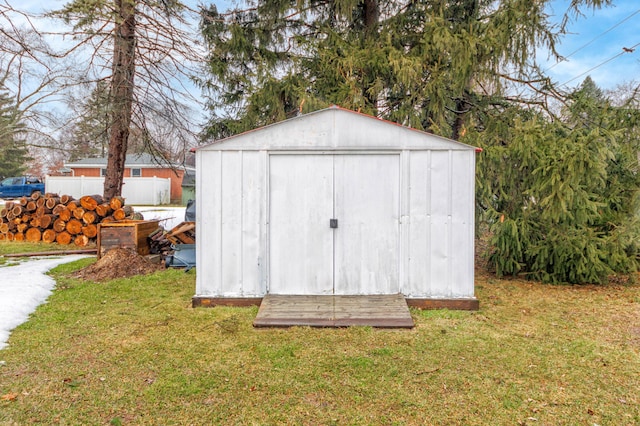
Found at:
<point>337,108</point>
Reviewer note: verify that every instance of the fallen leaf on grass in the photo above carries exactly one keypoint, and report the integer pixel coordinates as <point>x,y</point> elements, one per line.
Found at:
<point>72,383</point>
<point>428,371</point>
<point>9,397</point>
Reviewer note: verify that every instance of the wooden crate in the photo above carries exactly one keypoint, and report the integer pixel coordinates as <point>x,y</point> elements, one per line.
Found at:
<point>130,234</point>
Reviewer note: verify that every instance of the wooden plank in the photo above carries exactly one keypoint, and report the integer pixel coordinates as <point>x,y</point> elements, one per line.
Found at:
<point>131,234</point>
<point>456,304</point>
<point>183,227</point>
<point>210,302</point>
<point>381,311</point>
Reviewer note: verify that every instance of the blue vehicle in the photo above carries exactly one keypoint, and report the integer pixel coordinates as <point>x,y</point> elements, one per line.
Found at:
<point>21,186</point>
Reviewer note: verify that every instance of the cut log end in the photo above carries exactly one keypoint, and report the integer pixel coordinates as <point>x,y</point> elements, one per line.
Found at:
<point>63,238</point>
<point>81,240</point>
<point>33,235</point>
<point>49,236</point>
<point>90,202</point>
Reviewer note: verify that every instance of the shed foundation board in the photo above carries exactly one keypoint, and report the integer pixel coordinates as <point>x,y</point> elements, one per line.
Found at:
<point>381,311</point>
<point>468,304</point>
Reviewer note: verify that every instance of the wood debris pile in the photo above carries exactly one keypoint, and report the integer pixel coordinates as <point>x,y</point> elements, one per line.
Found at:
<point>161,241</point>
<point>60,218</point>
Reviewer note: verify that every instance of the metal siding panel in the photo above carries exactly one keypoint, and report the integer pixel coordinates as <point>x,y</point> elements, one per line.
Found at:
<point>231,211</point>
<point>462,196</point>
<point>367,190</point>
<point>300,240</point>
<point>339,129</point>
<point>405,222</point>
<point>440,272</point>
<point>208,227</point>
<point>420,224</point>
<point>252,187</point>
<point>263,258</point>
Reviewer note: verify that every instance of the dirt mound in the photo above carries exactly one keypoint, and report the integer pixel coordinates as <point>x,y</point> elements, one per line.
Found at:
<point>118,263</point>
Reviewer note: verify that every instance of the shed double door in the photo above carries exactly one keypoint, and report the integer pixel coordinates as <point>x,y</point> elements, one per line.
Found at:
<point>333,224</point>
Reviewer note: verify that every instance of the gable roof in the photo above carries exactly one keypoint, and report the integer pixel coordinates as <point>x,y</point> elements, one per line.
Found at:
<point>143,160</point>
<point>335,128</point>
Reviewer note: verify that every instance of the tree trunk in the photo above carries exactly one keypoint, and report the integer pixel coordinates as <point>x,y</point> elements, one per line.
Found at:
<point>121,95</point>
<point>458,122</point>
<point>371,16</point>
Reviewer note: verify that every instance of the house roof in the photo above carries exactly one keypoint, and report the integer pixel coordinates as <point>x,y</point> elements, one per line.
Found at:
<point>335,128</point>
<point>143,160</point>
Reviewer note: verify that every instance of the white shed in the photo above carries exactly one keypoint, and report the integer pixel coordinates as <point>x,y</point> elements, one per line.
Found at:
<point>335,203</point>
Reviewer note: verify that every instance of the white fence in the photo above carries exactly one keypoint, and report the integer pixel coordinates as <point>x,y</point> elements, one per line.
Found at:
<point>138,190</point>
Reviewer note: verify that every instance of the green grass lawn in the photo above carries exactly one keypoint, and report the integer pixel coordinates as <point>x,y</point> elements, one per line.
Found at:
<point>133,351</point>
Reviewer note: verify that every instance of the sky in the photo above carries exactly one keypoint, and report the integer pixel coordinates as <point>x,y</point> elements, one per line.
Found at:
<point>595,45</point>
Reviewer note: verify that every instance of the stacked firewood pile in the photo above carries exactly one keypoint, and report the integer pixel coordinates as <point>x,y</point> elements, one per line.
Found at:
<point>161,241</point>
<point>59,218</point>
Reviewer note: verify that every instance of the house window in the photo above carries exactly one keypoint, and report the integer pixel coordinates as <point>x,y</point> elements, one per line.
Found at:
<point>103,172</point>
<point>136,172</point>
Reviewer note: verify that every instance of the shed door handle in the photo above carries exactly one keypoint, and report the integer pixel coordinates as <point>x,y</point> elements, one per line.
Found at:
<point>333,223</point>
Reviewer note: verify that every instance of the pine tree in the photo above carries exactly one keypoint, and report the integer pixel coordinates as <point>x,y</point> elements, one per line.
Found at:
<point>14,154</point>
<point>426,64</point>
<point>561,196</point>
<point>90,136</point>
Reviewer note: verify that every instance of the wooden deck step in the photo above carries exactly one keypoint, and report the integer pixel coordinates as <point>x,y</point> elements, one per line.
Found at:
<point>381,311</point>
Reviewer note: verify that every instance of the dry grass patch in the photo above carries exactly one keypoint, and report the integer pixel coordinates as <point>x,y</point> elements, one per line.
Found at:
<point>15,247</point>
<point>133,351</point>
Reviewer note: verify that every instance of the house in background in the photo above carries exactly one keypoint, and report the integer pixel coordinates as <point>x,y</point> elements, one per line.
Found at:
<point>136,166</point>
